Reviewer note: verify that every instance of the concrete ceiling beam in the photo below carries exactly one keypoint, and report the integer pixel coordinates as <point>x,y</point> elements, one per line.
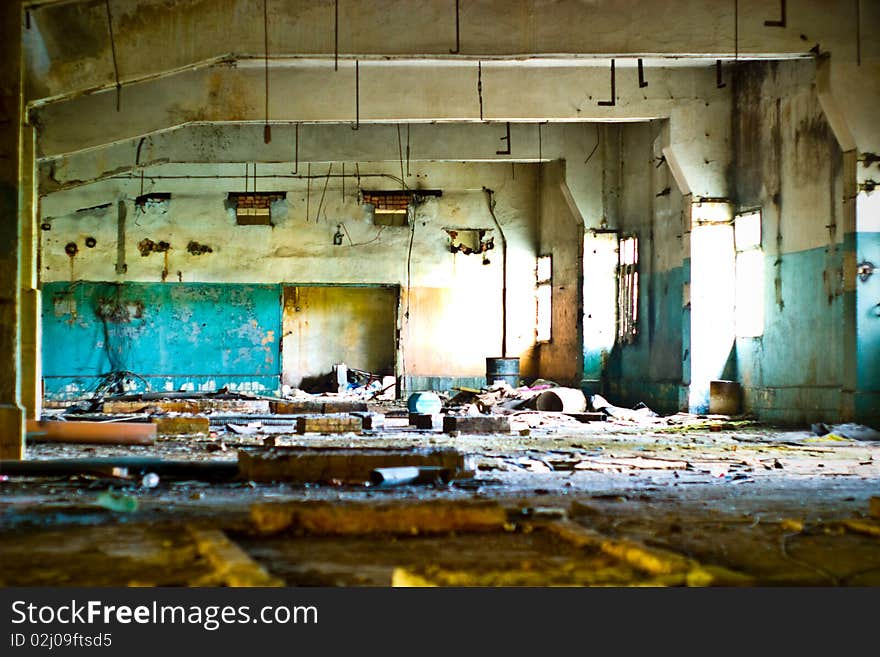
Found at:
<point>68,48</point>
<point>368,94</point>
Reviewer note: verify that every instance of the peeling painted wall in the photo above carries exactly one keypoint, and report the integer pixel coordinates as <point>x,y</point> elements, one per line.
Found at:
<point>651,370</point>
<point>453,301</point>
<point>788,164</point>
<point>561,232</point>
<point>172,336</point>
<point>326,325</point>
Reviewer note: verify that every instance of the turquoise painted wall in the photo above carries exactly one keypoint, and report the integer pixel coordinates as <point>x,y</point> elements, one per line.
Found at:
<point>794,372</point>
<point>867,399</point>
<point>650,370</point>
<point>195,336</point>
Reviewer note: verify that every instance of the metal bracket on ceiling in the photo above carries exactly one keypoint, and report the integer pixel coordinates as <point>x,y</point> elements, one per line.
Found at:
<point>719,79</point>
<point>296,148</point>
<point>357,95</point>
<point>480,86</point>
<point>613,101</point>
<point>782,19</point>
<point>457,32</point>
<point>642,82</point>
<point>507,139</point>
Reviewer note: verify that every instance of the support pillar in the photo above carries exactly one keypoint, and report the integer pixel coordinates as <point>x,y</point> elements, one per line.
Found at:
<point>30,301</point>
<point>12,416</point>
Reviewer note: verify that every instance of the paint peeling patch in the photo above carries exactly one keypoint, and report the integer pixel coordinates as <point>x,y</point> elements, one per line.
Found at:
<point>147,246</point>
<point>208,386</point>
<point>247,386</point>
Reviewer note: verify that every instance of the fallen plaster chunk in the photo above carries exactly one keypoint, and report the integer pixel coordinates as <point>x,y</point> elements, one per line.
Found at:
<point>406,518</point>
<point>637,463</point>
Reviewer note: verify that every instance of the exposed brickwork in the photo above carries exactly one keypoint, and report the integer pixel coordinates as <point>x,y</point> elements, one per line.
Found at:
<point>388,201</point>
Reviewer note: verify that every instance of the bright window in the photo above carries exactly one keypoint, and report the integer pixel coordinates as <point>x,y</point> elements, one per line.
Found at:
<point>749,275</point>
<point>628,289</point>
<point>545,296</point>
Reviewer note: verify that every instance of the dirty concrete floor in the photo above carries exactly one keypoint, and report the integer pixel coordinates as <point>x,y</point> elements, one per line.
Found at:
<point>763,502</point>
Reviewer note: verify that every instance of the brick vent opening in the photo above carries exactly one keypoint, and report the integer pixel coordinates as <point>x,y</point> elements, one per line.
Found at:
<point>254,208</point>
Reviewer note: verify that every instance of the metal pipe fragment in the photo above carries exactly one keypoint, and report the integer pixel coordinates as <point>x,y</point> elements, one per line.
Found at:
<point>426,474</point>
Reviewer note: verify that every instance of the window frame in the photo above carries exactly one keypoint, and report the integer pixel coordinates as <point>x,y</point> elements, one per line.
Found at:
<point>628,292</point>
<point>753,246</point>
<point>544,285</point>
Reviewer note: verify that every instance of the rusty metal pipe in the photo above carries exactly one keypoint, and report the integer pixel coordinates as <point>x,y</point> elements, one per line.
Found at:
<point>426,474</point>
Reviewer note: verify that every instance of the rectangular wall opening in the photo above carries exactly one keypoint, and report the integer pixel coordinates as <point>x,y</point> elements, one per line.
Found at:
<point>324,325</point>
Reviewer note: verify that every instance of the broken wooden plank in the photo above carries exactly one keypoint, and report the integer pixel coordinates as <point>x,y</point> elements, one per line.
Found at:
<point>476,423</point>
<point>356,518</point>
<point>636,463</point>
<point>181,425</point>
<point>424,420</point>
<point>205,470</point>
<point>371,421</point>
<point>344,406</point>
<point>329,424</point>
<point>295,407</point>
<point>232,565</point>
<point>332,464</point>
<point>103,433</point>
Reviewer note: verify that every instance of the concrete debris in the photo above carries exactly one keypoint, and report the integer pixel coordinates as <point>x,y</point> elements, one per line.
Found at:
<point>346,382</point>
<point>640,463</point>
<point>341,465</point>
<point>425,420</point>
<point>641,414</point>
<point>477,424</point>
<point>565,400</point>
<point>849,431</point>
<point>329,424</point>
<point>181,425</point>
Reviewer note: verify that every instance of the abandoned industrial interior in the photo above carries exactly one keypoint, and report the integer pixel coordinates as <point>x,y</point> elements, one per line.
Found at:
<point>439,293</point>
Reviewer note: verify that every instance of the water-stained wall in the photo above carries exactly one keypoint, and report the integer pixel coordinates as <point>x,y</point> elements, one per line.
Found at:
<point>651,369</point>
<point>450,303</point>
<point>789,165</point>
<point>168,336</point>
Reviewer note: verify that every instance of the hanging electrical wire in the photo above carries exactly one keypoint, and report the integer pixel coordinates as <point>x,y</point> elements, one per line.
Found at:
<point>400,155</point>
<point>321,203</point>
<point>267,130</point>
<point>113,52</point>
<point>375,239</point>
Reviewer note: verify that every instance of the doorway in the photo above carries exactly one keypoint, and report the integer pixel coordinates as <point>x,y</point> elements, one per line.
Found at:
<point>327,324</point>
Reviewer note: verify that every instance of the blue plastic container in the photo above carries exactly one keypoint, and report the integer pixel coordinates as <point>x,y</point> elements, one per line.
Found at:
<point>427,403</point>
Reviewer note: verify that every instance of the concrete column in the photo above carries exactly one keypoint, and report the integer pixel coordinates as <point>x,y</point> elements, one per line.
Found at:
<point>11,412</point>
<point>30,303</point>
